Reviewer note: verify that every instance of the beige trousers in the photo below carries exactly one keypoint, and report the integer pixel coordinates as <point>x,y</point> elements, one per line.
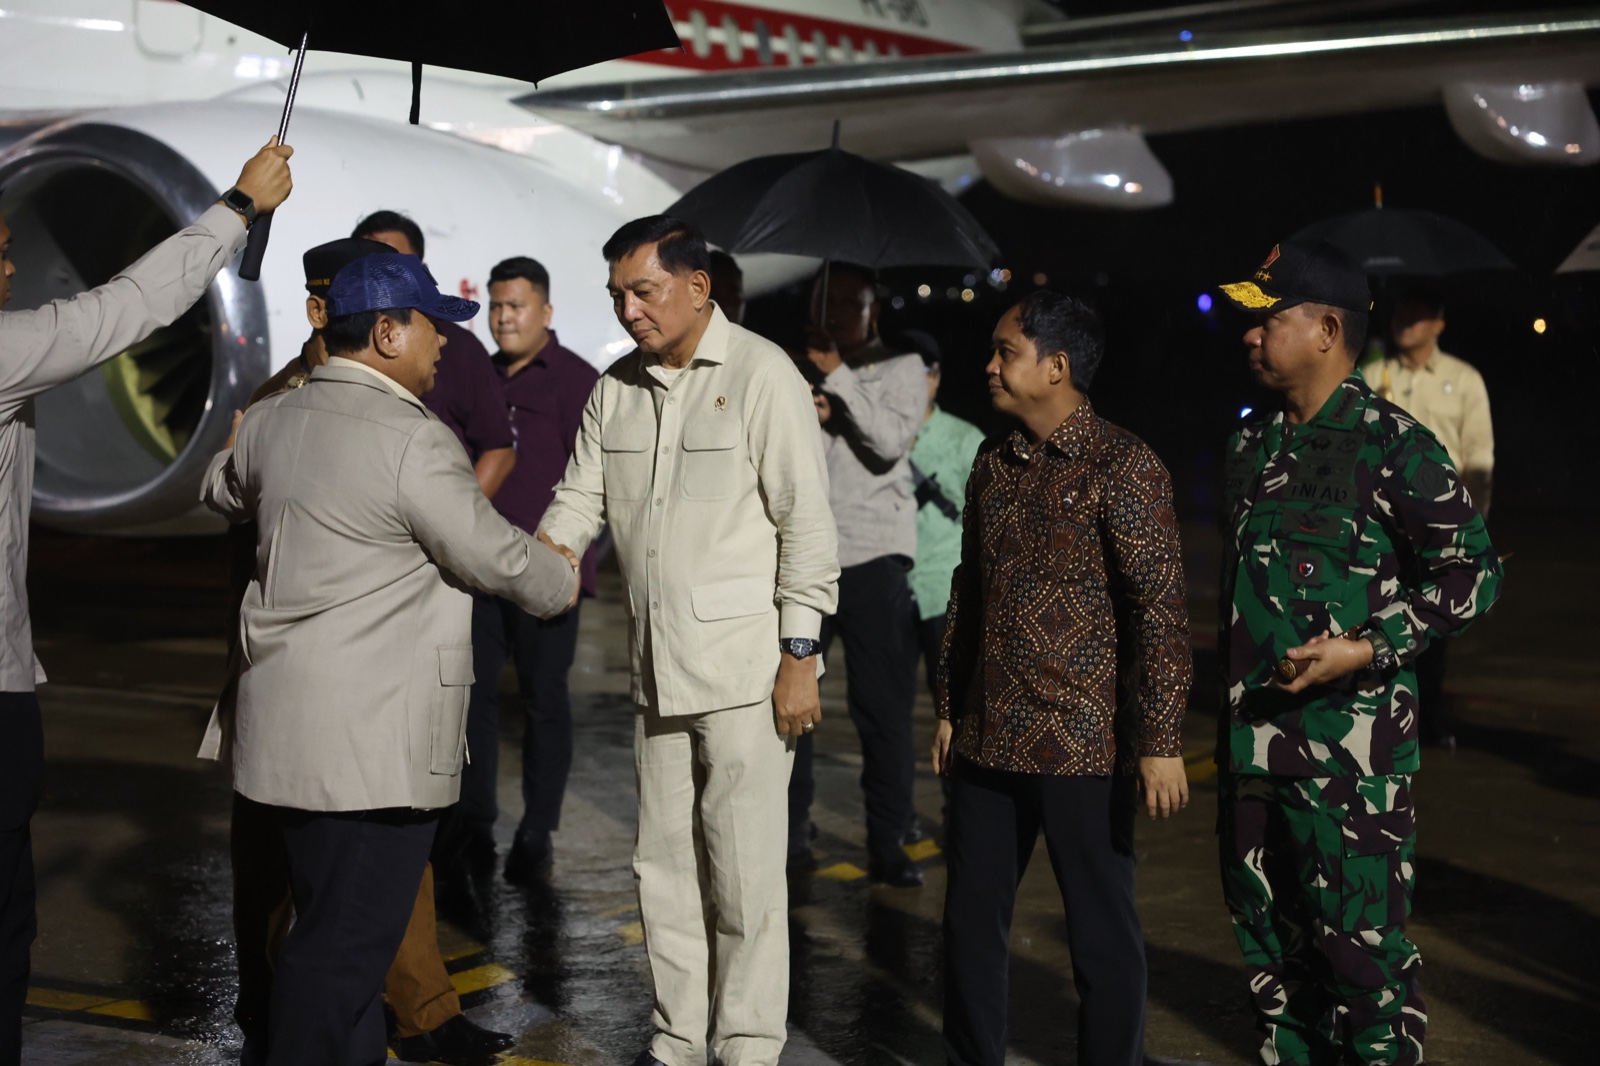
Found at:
<point>709,861</point>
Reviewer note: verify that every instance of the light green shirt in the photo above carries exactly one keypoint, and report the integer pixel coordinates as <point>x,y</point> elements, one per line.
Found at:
<point>945,449</point>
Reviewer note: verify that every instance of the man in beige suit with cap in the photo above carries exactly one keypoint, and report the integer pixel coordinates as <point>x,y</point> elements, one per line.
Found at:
<point>356,641</point>
<point>701,449</point>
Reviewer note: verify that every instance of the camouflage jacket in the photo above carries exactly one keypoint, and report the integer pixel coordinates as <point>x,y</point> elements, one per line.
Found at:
<point>1357,515</point>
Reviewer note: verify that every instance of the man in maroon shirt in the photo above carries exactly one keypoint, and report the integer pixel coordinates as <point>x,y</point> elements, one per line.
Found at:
<point>465,394</point>
<point>544,390</point>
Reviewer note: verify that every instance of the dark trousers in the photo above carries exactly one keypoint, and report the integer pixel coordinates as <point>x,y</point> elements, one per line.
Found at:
<point>21,771</point>
<point>355,877</point>
<point>262,910</point>
<point>995,818</point>
<point>542,652</point>
<point>876,610</point>
<point>930,641</point>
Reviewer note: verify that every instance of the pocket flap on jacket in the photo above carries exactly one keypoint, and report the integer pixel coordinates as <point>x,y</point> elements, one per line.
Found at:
<point>455,665</point>
<point>715,432</point>
<point>736,598</point>
<point>626,435</point>
<point>1376,834</point>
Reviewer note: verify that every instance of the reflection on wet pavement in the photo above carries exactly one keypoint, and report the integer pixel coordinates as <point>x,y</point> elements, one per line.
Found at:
<point>134,960</point>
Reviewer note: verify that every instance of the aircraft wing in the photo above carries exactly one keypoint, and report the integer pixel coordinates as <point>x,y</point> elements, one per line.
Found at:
<point>929,107</point>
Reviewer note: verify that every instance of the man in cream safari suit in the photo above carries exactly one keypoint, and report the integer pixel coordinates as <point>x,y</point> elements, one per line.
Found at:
<point>701,449</point>
<point>356,640</point>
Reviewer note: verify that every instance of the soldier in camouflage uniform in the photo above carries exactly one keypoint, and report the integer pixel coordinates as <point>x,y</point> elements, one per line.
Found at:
<point>1350,543</point>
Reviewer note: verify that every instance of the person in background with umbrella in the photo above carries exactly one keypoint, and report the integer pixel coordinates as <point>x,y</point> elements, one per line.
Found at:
<point>1448,396</point>
<point>40,349</point>
<point>1349,544</point>
<point>871,402</point>
<point>727,285</point>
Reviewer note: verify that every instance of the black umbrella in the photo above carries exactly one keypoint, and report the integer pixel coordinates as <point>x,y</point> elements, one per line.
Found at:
<point>835,205</point>
<point>1391,240</point>
<point>524,39</point>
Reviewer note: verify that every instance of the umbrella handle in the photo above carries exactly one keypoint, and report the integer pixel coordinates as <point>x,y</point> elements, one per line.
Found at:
<point>255,249</point>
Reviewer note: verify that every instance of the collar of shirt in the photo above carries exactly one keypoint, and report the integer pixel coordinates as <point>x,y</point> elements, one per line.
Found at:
<point>390,383</point>
<point>1071,438</point>
<point>713,346</point>
<point>502,361</point>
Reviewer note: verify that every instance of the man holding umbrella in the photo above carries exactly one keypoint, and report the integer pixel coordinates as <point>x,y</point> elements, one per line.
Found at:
<point>38,350</point>
<point>1349,545</point>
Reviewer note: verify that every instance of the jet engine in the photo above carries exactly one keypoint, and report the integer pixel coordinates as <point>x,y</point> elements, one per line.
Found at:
<point>122,449</point>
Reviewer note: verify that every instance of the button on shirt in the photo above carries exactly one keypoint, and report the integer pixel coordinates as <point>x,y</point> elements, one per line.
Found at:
<point>1059,539</point>
<point>716,493</point>
<point>1448,396</point>
<point>542,405</point>
<point>43,348</point>
<point>1355,516</point>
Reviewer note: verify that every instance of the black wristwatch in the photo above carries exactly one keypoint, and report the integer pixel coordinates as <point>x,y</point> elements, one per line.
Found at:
<point>241,202</point>
<point>1384,658</point>
<point>799,647</point>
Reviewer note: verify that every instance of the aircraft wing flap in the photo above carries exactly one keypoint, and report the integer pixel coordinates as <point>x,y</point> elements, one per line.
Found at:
<point>925,108</point>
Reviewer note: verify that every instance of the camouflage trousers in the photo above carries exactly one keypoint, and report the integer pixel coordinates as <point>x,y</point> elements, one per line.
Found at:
<point>1317,873</point>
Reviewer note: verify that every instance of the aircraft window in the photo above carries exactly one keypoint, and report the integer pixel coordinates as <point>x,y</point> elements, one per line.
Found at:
<point>763,43</point>
<point>894,50</point>
<point>819,42</point>
<point>732,42</point>
<point>870,50</point>
<point>847,48</point>
<point>791,41</point>
<point>699,36</point>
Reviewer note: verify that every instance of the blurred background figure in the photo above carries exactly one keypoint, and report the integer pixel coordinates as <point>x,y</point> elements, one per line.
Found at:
<point>543,388</point>
<point>941,461</point>
<point>727,285</point>
<point>1447,395</point>
<point>871,401</point>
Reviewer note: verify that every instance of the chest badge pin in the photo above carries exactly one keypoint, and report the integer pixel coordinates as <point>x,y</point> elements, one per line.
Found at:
<point>720,403</point>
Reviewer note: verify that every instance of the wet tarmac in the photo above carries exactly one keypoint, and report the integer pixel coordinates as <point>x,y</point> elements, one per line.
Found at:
<point>134,960</point>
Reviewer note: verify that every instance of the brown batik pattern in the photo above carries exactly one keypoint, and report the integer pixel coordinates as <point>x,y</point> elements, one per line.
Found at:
<point>1065,543</point>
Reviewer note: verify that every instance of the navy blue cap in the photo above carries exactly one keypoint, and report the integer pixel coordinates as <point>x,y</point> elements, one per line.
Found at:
<point>386,280</point>
<point>1302,272</point>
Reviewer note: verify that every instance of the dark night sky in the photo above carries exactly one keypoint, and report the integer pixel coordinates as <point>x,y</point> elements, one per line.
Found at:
<point>1176,376</point>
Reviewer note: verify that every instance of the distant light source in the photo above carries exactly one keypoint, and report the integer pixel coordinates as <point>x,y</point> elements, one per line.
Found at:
<point>1005,275</point>
<point>1041,280</point>
<point>1204,302</point>
<point>898,302</point>
<point>967,296</point>
<point>1245,412</point>
<point>1186,36</point>
<point>924,291</point>
<point>1540,325</point>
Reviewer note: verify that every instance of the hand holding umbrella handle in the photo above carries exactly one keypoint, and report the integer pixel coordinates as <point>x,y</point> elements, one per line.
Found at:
<point>255,249</point>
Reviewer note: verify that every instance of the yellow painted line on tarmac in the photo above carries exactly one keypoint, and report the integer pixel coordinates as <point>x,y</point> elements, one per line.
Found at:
<point>478,978</point>
<point>464,952</point>
<point>56,999</point>
<point>842,871</point>
<point>617,912</point>
<point>131,1009</point>
<point>1199,766</point>
<point>922,849</point>
<point>632,933</point>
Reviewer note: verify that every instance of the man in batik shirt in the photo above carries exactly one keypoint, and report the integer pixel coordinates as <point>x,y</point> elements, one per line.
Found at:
<point>1350,543</point>
<point>1069,529</point>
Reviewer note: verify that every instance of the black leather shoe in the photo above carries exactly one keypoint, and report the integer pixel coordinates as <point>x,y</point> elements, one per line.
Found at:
<point>645,1058</point>
<point>896,873</point>
<point>458,1042</point>
<point>530,863</point>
